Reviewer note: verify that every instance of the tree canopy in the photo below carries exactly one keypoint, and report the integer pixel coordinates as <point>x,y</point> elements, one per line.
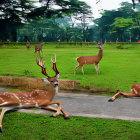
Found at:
<point>67,20</point>
<point>122,24</point>
<point>14,13</point>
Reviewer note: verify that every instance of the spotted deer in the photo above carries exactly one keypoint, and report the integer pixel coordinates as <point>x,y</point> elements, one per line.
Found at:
<point>35,99</point>
<point>38,48</point>
<point>82,60</point>
<point>135,92</point>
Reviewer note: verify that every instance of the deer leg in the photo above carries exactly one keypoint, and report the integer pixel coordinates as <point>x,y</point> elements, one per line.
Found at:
<point>97,68</point>
<point>76,69</point>
<point>58,109</point>
<point>122,93</point>
<point>54,109</point>
<point>82,69</point>
<point>1,117</point>
<point>65,114</point>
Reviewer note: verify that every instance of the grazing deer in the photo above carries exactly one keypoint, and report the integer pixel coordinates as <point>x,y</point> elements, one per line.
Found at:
<point>82,60</point>
<point>34,99</point>
<point>135,92</point>
<point>39,47</point>
<point>28,45</point>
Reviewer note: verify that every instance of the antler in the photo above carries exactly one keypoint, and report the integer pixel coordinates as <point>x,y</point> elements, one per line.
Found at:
<point>41,64</point>
<point>54,67</point>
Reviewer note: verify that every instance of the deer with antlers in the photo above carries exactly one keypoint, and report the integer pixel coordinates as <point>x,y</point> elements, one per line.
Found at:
<point>82,60</point>
<point>36,98</point>
<point>38,48</point>
<point>135,92</point>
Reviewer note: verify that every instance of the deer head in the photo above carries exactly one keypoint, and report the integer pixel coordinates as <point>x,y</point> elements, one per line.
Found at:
<point>51,80</point>
<point>100,44</point>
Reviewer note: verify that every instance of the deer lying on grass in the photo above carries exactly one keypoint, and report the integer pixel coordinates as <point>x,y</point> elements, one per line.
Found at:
<point>28,45</point>
<point>135,92</point>
<point>82,60</point>
<point>39,47</point>
<point>35,99</point>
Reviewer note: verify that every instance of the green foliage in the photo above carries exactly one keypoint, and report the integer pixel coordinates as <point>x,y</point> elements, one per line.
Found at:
<point>45,23</point>
<point>51,30</point>
<point>122,24</point>
<point>15,13</point>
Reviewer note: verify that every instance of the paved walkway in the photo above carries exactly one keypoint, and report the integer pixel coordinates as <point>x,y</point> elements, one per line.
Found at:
<point>96,106</point>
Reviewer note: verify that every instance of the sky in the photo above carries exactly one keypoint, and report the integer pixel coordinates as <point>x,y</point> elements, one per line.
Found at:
<point>104,4</point>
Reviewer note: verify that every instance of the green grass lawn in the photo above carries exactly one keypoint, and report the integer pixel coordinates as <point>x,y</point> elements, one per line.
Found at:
<point>119,67</point>
<point>22,126</point>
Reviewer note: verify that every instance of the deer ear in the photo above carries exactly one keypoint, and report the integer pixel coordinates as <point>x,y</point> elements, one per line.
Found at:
<point>57,76</point>
<point>45,80</point>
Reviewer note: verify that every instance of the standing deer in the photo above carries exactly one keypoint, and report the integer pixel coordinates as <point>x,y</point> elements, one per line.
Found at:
<point>39,47</point>
<point>28,45</point>
<point>82,60</point>
<point>35,99</point>
<point>135,92</point>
